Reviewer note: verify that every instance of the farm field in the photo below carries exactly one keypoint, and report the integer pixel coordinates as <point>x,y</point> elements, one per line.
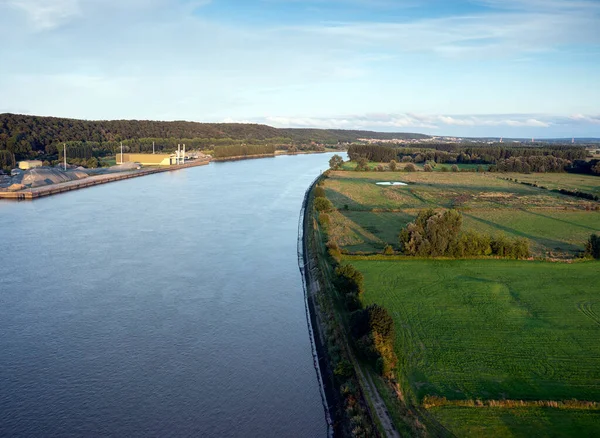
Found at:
<point>493,330</point>
<point>552,181</point>
<point>555,224</point>
<point>522,422</point>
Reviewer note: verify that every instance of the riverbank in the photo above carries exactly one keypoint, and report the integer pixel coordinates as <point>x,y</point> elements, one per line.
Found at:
<point>54,189</point>
<point>315,325</point>
<point>276,154</point>
<point>355,405</point>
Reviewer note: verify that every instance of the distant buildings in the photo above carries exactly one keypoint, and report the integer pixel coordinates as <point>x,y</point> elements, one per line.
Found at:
<point>30,164</point>
<point>148,159</point>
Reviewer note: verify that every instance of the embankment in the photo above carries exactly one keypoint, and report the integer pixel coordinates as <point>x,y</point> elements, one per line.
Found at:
<point>244,157</point>
<point>328,333</point>
<point>315,326</point>
<point>54,189</point>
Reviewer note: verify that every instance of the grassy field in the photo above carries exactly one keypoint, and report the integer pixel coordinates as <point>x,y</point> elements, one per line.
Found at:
<point>552,181</point>
<point>492,330</point>
<point>525,422</point>
<point>486,329</point>
<point>556,225</point>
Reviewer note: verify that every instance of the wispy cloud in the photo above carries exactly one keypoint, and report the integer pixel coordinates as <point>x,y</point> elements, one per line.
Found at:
<point>186,59</point>
<point>46,14</point>
<point>416,121</point>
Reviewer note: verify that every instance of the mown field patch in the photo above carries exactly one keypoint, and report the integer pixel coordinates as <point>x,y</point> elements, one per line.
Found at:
<point>556,225</point>
<point>492,329</point>
<point>521,422</point>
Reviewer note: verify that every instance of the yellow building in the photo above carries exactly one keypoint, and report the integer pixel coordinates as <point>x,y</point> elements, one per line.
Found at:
<point>147,159</point>
<point>30,164</point>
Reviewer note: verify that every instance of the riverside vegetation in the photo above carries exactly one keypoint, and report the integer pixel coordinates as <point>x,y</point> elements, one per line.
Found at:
<point>472,298</point>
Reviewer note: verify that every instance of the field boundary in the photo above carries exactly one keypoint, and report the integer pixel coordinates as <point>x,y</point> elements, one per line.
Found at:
<point>434,401</point>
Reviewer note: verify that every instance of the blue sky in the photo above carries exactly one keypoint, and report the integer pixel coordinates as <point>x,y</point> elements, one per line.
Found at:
<point>471,68</point>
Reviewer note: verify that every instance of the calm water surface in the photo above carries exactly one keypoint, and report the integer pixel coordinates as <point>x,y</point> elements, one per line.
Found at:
<point>168,305</point>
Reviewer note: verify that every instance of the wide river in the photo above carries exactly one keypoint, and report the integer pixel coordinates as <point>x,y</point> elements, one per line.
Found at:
<point>167,305</point>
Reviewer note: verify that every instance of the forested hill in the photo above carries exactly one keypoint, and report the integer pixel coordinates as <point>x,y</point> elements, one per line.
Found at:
<point>22,133</point>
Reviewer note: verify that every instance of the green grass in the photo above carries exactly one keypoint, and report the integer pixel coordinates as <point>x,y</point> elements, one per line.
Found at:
<point>552,181</point>
<point>108,161</point>
<point>492,329</point>
<point>555,224</point>
<point>521,422</point>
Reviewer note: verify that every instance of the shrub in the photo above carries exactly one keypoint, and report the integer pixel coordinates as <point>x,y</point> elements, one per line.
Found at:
<point>336,162</point>
<point>444,169</point>
<point>362,164</point>
<point>431,234</point>
<point>388,250</point>
<point>454,168</point>
<point>344,370</point>
<point>324,219</point>
<point>323,204</point>
<point>427,168</point>
<point>393,165</point>
<point>592,247</point>
<point>319,192</point>
<point>410,167</point>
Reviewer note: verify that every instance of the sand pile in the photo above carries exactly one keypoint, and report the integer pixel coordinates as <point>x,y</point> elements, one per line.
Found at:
<point>44,176</point>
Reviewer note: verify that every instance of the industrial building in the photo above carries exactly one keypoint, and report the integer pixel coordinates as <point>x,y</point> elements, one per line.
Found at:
<point>30,164</point>
<point>148,159</point>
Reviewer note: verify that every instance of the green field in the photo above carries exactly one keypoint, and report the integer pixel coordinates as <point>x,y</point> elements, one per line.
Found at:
<point>556,225</point>
<point>524,422</point>
<point>553,181</point>
<point>490,330</point>
<point>493,330</point>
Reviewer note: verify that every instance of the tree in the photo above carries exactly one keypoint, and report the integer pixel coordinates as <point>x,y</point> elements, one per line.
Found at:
<point>319,192</point>
<point>596,168</point>
<point>393,165</point>
<point>431,234</point>
<point>410,167</point>
<point>7,160</point>
<point>336,162</point>
<point>323,204</point>
<point>362,164</point>
<point>454,168</point>
<point>592,248</point>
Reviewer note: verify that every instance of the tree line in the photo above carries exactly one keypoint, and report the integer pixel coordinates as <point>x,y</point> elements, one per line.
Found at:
<point>439,234</point>
<point>243,150</point>
<point>28,136</point>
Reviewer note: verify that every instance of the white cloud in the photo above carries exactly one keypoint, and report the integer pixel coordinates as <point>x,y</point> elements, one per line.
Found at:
<point>46,14</point>
<point>411,121</point>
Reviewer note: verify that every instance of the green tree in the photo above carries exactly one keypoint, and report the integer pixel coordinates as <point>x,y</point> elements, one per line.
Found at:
<point>320,191</point>
<point>592,247</point>
<point>362,164</point>
<point>336,162</point>
<point>323,204</point>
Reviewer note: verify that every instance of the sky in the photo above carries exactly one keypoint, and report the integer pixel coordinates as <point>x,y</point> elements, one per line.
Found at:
<point>511,68</point>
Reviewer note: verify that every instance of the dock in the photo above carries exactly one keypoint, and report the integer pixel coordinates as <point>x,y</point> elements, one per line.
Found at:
<point>54,189</point>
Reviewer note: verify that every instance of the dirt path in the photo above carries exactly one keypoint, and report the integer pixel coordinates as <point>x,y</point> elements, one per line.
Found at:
<point>310,271</point>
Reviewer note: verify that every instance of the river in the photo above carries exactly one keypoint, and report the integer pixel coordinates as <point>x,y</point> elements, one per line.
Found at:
<point>167,305</point>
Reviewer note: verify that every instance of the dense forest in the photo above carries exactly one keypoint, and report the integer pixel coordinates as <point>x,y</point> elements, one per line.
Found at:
<point>243,151</point>
<point>498,157</point>
<point>33,136</point>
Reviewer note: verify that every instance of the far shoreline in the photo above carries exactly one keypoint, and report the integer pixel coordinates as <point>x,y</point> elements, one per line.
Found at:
<point>31,194</point>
